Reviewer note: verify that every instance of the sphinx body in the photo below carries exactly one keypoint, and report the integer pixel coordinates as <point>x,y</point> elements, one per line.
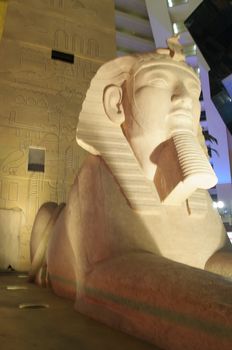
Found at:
<point>138,228</point>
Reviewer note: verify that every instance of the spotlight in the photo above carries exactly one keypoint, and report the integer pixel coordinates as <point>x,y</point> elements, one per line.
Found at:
<point>220,204</point>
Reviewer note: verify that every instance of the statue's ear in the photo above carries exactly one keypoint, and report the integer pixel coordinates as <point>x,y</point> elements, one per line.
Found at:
<point>112,101</point>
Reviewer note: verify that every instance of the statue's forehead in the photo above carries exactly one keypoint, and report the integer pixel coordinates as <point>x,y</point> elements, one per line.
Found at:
<point>164,67</point>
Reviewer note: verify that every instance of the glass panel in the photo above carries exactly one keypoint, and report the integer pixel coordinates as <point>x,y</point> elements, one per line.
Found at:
<point>172,3</point>
<point>190,50</point>
<point>36,159</point>
<point>179,27</point>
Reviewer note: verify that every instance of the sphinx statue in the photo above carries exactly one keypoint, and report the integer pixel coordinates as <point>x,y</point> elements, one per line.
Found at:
<point>132,244</point>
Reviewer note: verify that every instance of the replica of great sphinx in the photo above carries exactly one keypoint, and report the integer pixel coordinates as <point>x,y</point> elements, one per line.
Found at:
<point>132,242</point>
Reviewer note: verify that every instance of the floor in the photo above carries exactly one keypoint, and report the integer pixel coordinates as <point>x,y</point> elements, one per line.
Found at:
<point>56,327</point>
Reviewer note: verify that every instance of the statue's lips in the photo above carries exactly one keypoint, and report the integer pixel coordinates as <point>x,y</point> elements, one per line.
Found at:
<point>180,120</point>
<point>181,113</point>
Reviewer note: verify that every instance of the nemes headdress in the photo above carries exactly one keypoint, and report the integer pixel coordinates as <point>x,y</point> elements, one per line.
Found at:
<point>171,56</point>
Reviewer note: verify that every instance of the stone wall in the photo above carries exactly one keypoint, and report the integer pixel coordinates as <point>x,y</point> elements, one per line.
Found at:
<point>41,98</point>
<point>3,7</point>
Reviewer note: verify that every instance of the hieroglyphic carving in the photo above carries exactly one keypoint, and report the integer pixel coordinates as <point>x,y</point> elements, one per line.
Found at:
<point>12,117</point>
<point>12,162</point>
<point>28,109</point>
<point>33,67</point>
<point>69,94</point>
<point>52,189</point>
<point>76,43</point>
<point>20,100</point>
<point>62,194</point>
<point>29,138</point>
<point>40,98</point>
<point>34,197</point>
<point>13,191</point>
<point>53,119</point>
<point>4,193</point>
<point>9,192</point>
<point>57,3</point>
<point>83,70</point>
<point>35,100</point>
<point>71,161</point>
<point>31,101</point>
<point>93,49</point>
<point>42,103</point>
<point>75,4</point>
<point>69,158</point>
<point>24,251</point>
<point>29,58</point>
<point>69,71</point>
<point>68,129</point>
<point>33,126</point>
<point>88,69</point>
<point>61,40</point>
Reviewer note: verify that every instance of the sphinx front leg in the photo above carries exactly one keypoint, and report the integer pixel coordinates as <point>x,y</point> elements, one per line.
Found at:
<point>221,263</point>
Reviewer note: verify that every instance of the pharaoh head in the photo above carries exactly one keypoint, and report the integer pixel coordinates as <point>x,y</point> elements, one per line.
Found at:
<point>145,110</point>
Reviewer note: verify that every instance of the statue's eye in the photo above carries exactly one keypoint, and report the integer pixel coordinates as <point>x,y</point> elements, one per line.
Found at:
<point>157,82</point>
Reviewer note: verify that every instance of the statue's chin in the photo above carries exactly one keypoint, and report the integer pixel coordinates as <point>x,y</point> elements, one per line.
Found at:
<point>182,168</point>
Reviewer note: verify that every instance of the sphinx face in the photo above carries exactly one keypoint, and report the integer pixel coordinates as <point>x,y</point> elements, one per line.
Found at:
<point>161,124</point>
<point>164,98</point>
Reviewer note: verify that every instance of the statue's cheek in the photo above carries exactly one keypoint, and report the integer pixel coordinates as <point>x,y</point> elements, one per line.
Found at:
<point>153,101</point>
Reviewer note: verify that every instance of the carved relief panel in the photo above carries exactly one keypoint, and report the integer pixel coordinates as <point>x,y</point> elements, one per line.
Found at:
<point>81,37</point>
<point>34,66</point>
<point>77,10</point>
<point>40,98</point>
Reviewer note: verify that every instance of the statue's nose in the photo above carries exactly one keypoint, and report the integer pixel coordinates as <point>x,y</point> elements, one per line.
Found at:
<point>182,98</point>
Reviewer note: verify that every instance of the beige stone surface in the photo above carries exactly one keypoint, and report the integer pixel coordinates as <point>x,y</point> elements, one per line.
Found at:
<point>41,233</point>
<point>3,7</point>
<point>220,263</point>
<point>11,222</point>
<point>151,103</point>
<point>23,63</point>
<point>83,36</point>
<point>128,248</point>
<point>171,305</point>
<point>104,257</point>
<point>41,98</point>
<point>86,12</point>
